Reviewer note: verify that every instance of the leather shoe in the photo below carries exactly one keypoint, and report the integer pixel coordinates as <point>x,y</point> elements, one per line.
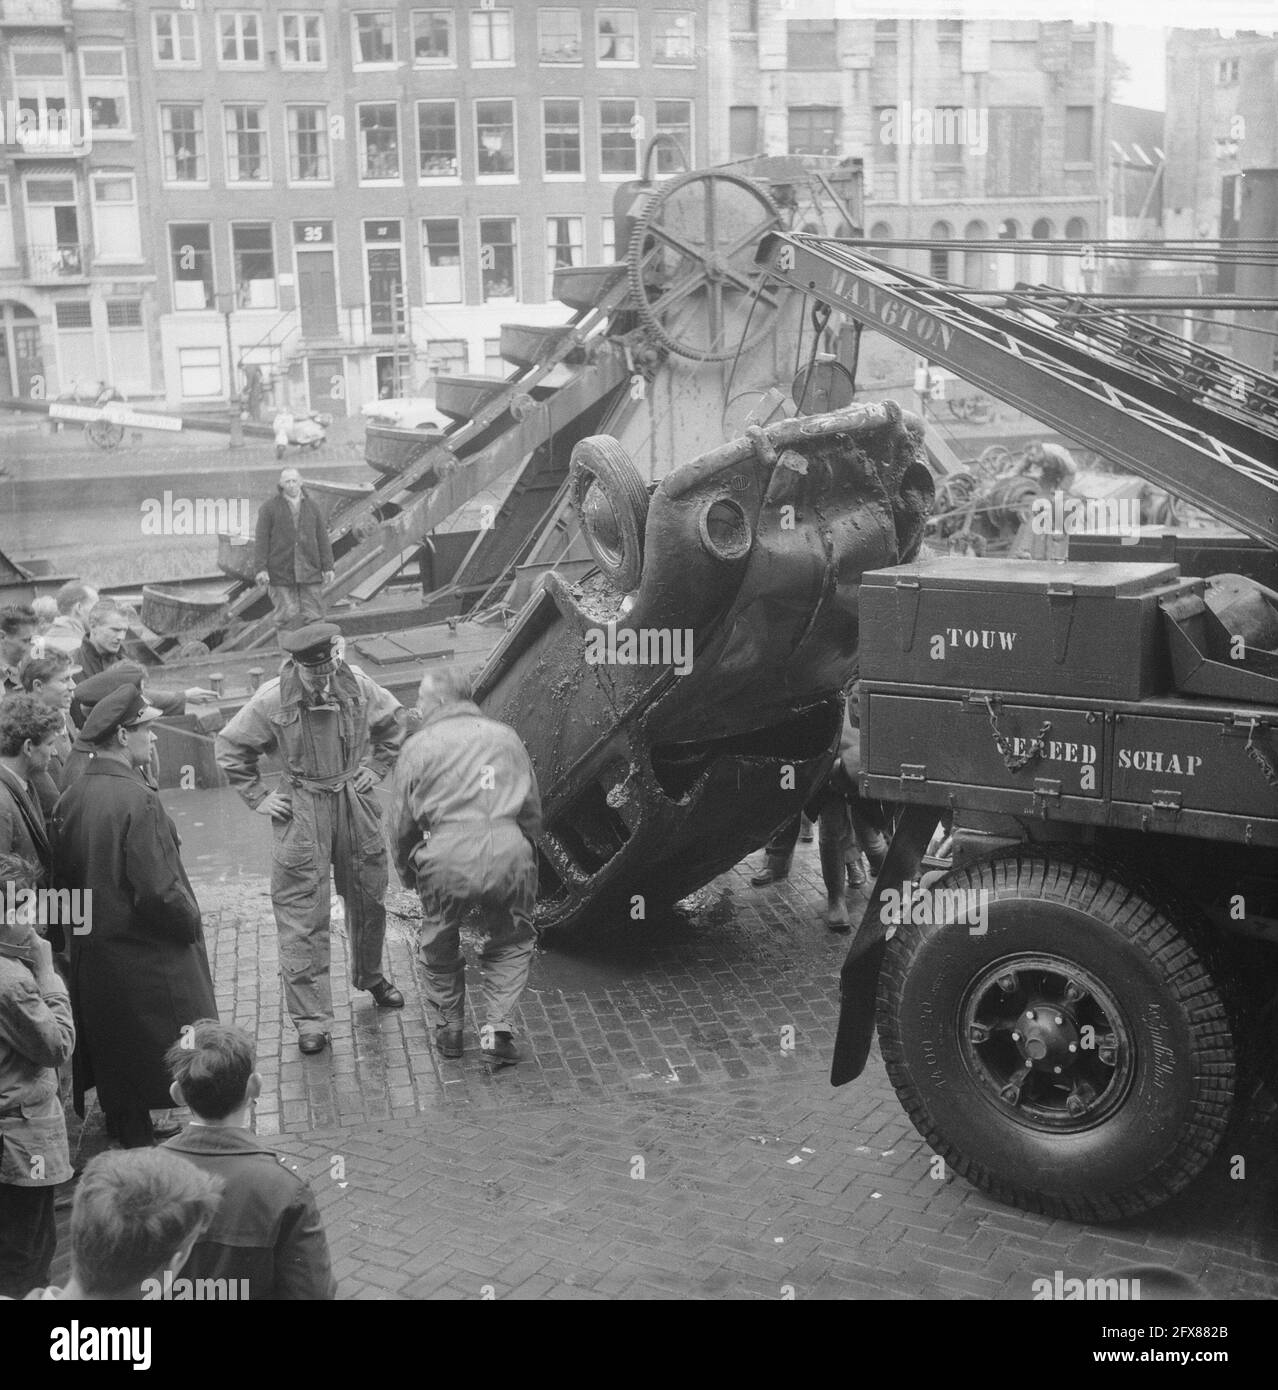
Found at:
<point>768,875</point>
<point>311,1043</point>
<point>386,996</point>
<point>502,1051</point>
<point>448,1041</point>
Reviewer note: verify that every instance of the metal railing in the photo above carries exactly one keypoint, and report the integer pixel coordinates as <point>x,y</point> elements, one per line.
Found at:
<point>67,260</point>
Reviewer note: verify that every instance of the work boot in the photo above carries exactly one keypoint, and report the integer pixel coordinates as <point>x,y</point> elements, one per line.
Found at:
<point>876,848</point>
<point>832,871</point>
<point>448,1040</point>
<point>773,871</point>
<point>386,996</point>
<point>806,832</point>
<point>311,1043</point>
<point>503,1051</point>
<point>856,874</point>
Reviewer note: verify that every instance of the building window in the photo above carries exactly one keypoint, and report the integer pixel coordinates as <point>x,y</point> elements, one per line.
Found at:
<point>106,90</point>
<point>253,255</point>
<point>814,129</point>
<point>446,356</point>
<point>811,45</point>
<point>433,38</point>
<point>949,126</point>
<point>387,310</point>
<point>886,135</point>
<point>743,131</point>
<point>8,244</point>
<point>124,313</point>
<point>618,148</point>
<point>373,38</point>
<point>1078,135</point>
<point>674,118</point>
<point>73,313</point>
<point>40,85</point>
<point>495,136</point>
<point>743,16</point>
<point>117,235</point>
<point>494,362</point>
<point>608,239</point>
<point>672,37</point>
<point>1226,72</point>
<point>1076,229</point>
<point>441,260</point>
<point>201,372</point>
<point>565,244</point>
<point>239,40</point>
<point>616,36</point>
<point>379,141</point>
<point>561,131</point>
<point>302,40</point>
<point>939,256</point>
<point>175,42</point>
<point>976,262</point>
<point>437,139</point>
<point>191,259</point>
<point>491,38</point>
<point>308,144</point>
<point>246,154</point>
<point>182,136</point>
<point>559,36</point>
<point>1014,162</point>
<point>497,259</point>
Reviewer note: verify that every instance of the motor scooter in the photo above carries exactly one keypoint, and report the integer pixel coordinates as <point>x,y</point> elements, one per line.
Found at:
<point>306,431</point>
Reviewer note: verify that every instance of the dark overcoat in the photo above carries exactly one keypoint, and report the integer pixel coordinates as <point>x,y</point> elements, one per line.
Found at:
<point>141,972</point>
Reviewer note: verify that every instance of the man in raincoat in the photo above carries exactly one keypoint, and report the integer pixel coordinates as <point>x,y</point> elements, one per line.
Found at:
<point>466,820</point>
<point>139,968</point>
<point>336,733</point>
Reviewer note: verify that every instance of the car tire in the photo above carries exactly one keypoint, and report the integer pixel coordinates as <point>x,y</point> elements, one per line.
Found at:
<point>1153,1086</point>
<point>605,483</point>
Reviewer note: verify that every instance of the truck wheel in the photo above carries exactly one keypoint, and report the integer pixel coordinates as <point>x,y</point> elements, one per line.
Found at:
<point>610,498</point>
<point>1077,1057</point>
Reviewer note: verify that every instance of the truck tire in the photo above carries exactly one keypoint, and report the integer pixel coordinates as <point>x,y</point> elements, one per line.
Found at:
<point>973,1027</point>
<point>611,500</point>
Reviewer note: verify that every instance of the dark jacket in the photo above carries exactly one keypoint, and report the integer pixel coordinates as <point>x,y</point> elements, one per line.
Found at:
<point>22,827</point>
<point>172,702</point>
<point>141,972</point>
<point>277,541</point>
<point>267,1229</point>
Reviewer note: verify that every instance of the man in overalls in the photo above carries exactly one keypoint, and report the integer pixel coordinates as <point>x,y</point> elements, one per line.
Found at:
<point>336,734</point>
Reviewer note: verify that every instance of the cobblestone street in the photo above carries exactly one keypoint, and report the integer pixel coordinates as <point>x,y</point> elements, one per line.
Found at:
<point>661,1138</point>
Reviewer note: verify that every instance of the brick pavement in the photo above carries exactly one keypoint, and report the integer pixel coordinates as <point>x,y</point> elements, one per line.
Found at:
<point>659,1141</point>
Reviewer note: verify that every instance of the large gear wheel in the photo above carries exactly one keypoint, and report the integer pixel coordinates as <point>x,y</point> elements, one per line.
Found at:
<point>691,265</point>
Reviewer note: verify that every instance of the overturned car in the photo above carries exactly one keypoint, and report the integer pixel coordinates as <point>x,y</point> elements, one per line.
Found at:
<point>682,700</point>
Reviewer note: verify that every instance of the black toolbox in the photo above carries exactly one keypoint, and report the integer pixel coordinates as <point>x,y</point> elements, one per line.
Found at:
<point>1038,627</point>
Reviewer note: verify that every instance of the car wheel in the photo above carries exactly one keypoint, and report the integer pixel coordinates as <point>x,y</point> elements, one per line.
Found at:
<point>1077,1057</point>
<point>611,500</point>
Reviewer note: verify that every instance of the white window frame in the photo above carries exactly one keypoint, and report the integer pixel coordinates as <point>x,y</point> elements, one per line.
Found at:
<point>289,107</point>
<point>6,214</point>
<point>109,85</point>
<point>365,180</point>
<point>634,38</point>
<point>488,13</point>
<point>576,62</point>
<point>579,245</point>
<point>303,64</point>
<point>514,260</point>
<point>173,280</point>
<point>265,132</point>
<point>691,59</point>
<point>451,60</point>
<point>691,151</point>
<point>381,64</point>
<point>240,36</point>
<point>513,176</point>
<point>434,180</point>
<point>607,175</point>
<point>179,15</point>
<point>202,132</point>
<point>275,264</point>
<point>461,261</point>
<point>99,258</point>
<point>556,176</point>
<point>607,239</point>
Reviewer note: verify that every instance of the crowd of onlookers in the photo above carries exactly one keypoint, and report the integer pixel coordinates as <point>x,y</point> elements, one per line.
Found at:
<point>80,814</point>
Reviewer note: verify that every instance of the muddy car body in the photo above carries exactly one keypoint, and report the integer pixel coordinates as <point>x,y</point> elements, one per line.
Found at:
<point>681,701</point>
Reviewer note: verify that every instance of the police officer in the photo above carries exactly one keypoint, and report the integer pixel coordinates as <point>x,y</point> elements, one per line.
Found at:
<point>336,734</point>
